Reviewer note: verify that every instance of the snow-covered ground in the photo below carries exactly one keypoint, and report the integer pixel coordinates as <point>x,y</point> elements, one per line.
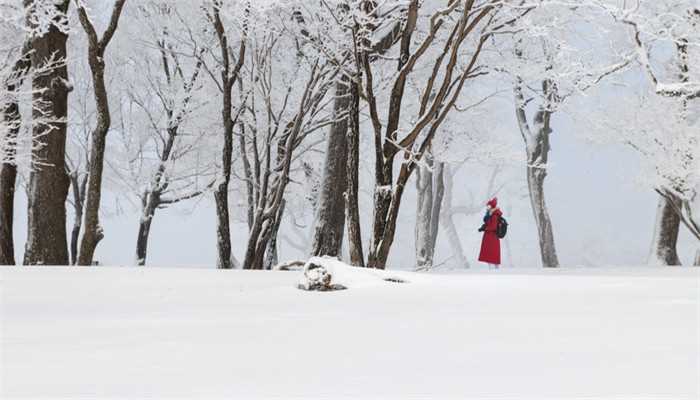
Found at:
<point>135,333</point>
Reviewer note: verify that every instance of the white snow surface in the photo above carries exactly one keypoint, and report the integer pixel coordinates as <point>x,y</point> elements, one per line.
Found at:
<point>134,333</point>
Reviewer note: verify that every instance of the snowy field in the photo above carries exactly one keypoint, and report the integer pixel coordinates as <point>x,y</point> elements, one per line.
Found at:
<point>132,333</point>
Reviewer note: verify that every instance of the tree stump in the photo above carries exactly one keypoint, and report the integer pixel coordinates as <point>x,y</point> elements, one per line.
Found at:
<point>318,278</point>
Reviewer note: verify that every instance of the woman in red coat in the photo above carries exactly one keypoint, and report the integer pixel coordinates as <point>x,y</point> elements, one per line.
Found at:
<point>491,244</point>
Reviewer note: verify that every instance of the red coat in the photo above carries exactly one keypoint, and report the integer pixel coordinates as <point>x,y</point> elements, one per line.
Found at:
<point>491,244</point>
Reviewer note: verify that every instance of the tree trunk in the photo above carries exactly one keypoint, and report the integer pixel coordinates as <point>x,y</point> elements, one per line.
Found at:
<point>424,213</point>
<point>666,228</point>
<point>535,182</point>
<point>383,193</point>
<point>506,245</point>
<point>258,243</point>
<point>223,230</point>
<point>78,186</point>
<point>696,262</point>
<point>247,171</point>
<point>357,257</point>
<point>8,177</point>
<point>149,203</point>
<point>142,239</point>
<point>387,198</point>
<point>8,169</point>
<point>229,76</point>
<point>449,225</point>
<point>387,204</point>
<point>48,184</point>
<point>271,255</point>
<point>250,197</point>
<point>439,195</point>
<point>93,233</point>
<point>537,149</point>
<point>271,203</point>
<point>431,190</point>
<point>329,223</point>
<point>330,215</point>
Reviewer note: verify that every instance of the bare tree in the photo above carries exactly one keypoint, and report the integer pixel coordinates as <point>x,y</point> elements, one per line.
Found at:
<point>447,218</point>
<point>78,183</point>
<point>430,185</point>
<point>537,146</point>
<point>82,113</point>
<point>97,46</point>
<point>48,185</point>
<point>330,214</point>
<point>336,198</point>
<point>8,166</point>
<point>353,181</point>
<point>230,68</point>
<point>157,195</point>
<point>557,74</point>
<point>287,118</point>
<point>677,187</point>
<point>444,83</point>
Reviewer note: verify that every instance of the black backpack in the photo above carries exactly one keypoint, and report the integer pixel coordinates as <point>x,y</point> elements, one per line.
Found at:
<point>502,228</point>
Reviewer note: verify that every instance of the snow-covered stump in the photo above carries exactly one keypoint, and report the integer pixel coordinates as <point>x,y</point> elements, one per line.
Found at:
<point>328,274</point>
<point>318,277</point>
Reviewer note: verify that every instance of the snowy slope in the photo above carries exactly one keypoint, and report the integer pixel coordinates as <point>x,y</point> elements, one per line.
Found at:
<point>190,333</point>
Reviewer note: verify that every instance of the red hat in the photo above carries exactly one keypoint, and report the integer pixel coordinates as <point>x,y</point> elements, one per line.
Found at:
<point>493,202</point>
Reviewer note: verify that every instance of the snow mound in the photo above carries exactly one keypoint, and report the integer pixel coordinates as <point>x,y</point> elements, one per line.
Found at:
<point>327,274</point>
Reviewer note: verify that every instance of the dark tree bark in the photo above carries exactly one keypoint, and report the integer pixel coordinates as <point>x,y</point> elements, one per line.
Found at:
<point>79,185</point>
<point>274,180</point>
<point>48,184</point>
<point>8,170</point>
<point>149,203</point>
<point>8,178</point>
<point>441,90</point>
<point>331,210</point>
<point>229,75</point>
<point>665,239</point>
<point>382,230</point>
<point>271,199</point>
<point>223,230</point>
<point>353,165</point>
<point>93,233</point>
<point>330,213</point>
